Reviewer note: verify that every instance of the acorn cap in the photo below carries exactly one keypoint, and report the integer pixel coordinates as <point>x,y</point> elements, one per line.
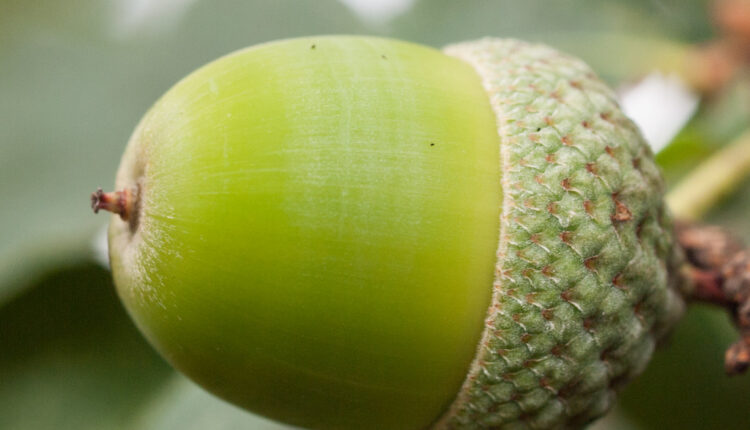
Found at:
<point>586,272</point>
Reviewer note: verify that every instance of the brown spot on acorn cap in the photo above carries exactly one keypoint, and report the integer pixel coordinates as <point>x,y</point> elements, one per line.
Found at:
<point>622,213</point>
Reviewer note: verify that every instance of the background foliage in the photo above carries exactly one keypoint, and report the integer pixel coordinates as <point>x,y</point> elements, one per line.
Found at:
<point>76,76</point>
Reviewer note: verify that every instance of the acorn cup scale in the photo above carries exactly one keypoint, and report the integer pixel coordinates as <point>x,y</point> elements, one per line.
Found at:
<point>354,232</point>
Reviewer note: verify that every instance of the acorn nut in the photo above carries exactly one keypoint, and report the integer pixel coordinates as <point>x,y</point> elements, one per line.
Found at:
<point>355,232</point>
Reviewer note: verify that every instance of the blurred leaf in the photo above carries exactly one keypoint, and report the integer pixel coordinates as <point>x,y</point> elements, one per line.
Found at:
<point>727,113</point>
<point>621,40</point>
<point>439,22</point>
<point>687,20</point>
<point>733,215</point>
<point>74,82</point>
<point>30,262</point>
<point>182,405</point>
<point>685,386</point>
<point>685,152</point>
<point>70,358</point>
<point>637,55</point>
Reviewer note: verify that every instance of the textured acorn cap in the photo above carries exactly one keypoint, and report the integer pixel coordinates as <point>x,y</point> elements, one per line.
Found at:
<point>585,282</point>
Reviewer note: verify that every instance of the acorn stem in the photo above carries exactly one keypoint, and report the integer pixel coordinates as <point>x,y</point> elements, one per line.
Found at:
<point>720,271</point>
<point>118,202</point>
<point>713,179</point>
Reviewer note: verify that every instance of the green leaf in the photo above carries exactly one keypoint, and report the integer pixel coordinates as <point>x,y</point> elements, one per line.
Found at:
<point>182,405</point>
<point>685,386</point>
<point>70,358</point>
<point>447,21</point>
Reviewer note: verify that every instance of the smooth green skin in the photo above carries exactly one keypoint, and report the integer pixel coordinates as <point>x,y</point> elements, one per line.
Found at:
<point>318,228</point>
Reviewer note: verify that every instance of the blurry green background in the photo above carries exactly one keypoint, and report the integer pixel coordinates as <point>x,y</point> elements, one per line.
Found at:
<point>75,77</point>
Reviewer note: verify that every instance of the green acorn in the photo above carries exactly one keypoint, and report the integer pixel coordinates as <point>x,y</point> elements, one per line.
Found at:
<point>353,232</point>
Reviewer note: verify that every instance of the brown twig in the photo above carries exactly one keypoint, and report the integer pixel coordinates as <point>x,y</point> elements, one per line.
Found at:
<point>720,271</point>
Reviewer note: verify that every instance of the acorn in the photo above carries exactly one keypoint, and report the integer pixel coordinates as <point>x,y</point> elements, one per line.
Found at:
<point>363,233</point>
